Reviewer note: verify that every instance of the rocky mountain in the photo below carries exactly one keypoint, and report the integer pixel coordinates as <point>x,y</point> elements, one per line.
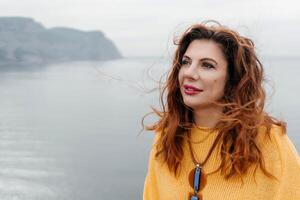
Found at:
<point>25,41</point>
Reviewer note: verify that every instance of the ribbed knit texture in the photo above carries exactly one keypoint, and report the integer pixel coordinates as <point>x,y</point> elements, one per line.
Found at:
<point>281,159</point>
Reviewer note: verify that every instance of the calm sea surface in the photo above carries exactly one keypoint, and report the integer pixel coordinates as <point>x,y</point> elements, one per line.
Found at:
<point>70,130</point>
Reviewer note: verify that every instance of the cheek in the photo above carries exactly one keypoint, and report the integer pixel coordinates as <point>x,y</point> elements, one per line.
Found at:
<point>218,86</point>
<point>180,77</point>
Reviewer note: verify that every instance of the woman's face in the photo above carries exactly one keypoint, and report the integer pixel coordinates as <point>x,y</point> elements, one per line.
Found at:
<point>203,73</point>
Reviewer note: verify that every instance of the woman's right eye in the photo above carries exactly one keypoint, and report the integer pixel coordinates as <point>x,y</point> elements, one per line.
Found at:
<point>184,62</point>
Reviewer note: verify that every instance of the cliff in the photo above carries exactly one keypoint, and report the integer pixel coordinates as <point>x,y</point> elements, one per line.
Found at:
<point>24,41</point>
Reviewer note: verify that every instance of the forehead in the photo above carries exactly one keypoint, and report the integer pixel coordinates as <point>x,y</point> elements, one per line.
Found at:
<point>204,48</point>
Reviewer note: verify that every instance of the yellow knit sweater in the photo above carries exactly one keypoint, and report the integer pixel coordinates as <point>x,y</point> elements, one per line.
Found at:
<point>281,160</point>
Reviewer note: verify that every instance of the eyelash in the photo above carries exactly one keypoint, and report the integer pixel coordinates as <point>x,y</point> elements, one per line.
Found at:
<point>207,64</point>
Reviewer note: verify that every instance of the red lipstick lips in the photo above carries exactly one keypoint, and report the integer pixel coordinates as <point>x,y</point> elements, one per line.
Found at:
<point>191,90</point>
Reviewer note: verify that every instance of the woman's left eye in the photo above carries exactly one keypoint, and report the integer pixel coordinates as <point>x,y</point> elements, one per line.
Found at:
<point>208,65</point>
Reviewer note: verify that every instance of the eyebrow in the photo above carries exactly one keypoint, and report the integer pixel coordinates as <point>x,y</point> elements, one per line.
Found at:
<point>203,59</point>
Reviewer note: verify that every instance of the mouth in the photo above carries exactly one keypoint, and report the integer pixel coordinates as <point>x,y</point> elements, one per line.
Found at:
<point>191,90</point>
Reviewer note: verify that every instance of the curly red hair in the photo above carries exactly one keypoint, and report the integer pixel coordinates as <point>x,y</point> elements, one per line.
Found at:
<point>243,104</point>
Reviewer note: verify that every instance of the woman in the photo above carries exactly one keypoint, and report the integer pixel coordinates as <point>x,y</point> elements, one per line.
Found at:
<point>213,139</point>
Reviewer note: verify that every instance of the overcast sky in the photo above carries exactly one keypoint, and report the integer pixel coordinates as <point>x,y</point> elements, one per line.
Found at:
<point>147,27</point>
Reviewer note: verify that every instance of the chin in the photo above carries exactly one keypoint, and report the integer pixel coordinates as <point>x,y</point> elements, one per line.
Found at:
<point>193,104</point>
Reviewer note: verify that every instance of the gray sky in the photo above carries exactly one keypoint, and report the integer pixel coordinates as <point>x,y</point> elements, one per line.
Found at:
<point>147,27</point>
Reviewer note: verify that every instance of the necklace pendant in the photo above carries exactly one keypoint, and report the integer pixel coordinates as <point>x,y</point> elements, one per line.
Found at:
<point>197,178</point>
<point>193,196</point>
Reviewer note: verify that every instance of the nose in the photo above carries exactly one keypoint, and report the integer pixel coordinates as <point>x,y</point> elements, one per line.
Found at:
<point>191,72</point>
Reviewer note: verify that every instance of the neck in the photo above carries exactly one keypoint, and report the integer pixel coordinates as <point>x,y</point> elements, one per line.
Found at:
<point>207,117</point>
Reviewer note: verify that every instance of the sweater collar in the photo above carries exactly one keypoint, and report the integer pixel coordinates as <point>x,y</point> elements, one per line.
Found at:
<point>201,133</point>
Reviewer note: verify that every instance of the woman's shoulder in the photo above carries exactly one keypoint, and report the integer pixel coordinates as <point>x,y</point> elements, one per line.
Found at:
<point>277,147</point>
<point>282,160</point>
<point>155,141</point>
